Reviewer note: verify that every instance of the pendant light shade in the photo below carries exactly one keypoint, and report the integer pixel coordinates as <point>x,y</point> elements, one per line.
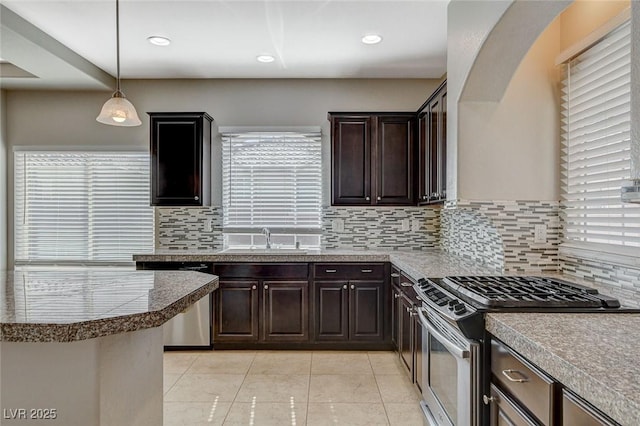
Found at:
<point>118,111</point>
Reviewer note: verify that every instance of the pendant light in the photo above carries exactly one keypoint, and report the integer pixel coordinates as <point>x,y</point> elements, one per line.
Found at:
<point>118,111</point>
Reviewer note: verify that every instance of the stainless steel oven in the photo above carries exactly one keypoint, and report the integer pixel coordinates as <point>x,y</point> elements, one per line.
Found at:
<point>450,373</point>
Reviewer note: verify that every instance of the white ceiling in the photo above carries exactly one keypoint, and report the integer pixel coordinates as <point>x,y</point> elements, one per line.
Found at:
<point>221,39</point>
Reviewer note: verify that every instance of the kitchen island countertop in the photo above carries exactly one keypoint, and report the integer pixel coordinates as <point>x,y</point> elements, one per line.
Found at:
<point>65,306</point>
<point>594,355</point>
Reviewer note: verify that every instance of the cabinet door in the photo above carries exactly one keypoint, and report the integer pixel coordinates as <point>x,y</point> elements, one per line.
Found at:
<point>236,311</point>
<point>505,412</point>
<point>285,311</point>
<point>405,342</point>
<point>366,310</point>
<point>180,146</point>
<point>417,351</point>
<point>424,169</point>
<point>331,310</point>
<point>394,160</point>
<point>395,317</point>
<point>351,160</point>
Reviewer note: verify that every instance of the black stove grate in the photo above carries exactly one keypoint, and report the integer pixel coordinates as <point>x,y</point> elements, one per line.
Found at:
<point>527,292</point>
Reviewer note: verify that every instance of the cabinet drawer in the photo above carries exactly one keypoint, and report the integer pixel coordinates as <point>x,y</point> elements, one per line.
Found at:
<point>576,412</point>
<point>261,270</point>
<point>531,388</point>
<point>349,271</point>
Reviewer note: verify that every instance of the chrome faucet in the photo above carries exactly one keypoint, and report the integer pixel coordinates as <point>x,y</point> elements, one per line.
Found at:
<point>267,233</point>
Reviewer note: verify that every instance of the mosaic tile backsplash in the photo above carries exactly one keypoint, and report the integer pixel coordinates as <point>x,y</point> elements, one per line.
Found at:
<point>622,282</point>
<point>501,234</point>
<point>380,227</point>
<point>189,228</point>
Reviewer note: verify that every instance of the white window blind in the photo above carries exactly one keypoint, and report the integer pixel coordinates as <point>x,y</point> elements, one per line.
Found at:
<point>272,179</point>
<point>596,146</point>
<point>81,207</point>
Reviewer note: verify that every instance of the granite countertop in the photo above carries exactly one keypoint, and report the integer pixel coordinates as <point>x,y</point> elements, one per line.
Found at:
<point>594,355</point>
<point>417,264</point>
<point>64,306</point>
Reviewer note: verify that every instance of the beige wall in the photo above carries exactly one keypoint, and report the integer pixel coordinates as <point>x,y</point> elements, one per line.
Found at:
<point>584,16</point>
<point>4,175</point>
<point>58,119</point>
<point>509,150</point>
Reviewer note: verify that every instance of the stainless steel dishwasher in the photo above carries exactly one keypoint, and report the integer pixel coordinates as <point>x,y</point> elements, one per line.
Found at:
<point>190,329</point>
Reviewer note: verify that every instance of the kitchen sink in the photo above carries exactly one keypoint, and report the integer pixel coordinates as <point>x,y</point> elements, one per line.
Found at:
<point>263,251</point>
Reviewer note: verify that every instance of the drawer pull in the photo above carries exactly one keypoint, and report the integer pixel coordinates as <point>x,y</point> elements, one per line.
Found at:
<point>395,275</point>
<point>406,284</point>
<point>507,374</point>
<point>253,287</point>
<point>353,287</point>
<point>266,287</point>
<point>344,286</point>
<point>330,271</point>
<point>367,271</point>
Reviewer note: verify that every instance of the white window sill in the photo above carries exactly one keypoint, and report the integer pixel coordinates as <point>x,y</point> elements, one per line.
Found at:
<point>622,256</point>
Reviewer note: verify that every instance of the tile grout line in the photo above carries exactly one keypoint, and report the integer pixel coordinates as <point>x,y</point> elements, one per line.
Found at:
<point>375,377</point>
<point>255,354</point>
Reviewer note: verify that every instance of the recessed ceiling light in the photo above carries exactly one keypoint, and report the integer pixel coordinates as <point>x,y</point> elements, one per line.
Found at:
<point>371,39</point>
<point>159,40</point>
<point>265,58</point>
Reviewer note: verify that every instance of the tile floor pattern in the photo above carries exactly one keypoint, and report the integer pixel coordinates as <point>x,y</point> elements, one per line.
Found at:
<point>288,388</point>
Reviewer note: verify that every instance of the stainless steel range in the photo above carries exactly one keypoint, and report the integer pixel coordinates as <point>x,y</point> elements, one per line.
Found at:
<point>452,319</point>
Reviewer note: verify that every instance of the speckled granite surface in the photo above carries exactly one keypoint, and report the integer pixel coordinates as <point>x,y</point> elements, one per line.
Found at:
<point>417,264</point>
<point>63,306</point>
<point>594,355</point>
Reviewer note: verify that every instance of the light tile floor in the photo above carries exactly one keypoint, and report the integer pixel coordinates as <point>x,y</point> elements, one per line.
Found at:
<point>288,388</point>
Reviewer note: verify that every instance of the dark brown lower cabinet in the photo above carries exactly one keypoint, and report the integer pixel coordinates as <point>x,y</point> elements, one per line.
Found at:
<point>576,412</point>
<point>366,310</point>
<point>406,327</point>
<point>332,310</point>
<point>505,412</point>
<point>349,311</point>
<point>285,313</point>
<point>236,311</point>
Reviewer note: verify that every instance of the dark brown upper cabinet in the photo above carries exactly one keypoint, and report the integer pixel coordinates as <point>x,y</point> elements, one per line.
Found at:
<point>372,158</point>
<point>180,158</point>
<point>432,155</point>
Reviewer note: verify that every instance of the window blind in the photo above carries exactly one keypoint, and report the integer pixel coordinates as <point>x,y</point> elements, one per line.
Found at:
<point>272,179</point>
<point>596,145</point>
<point>81,207</point>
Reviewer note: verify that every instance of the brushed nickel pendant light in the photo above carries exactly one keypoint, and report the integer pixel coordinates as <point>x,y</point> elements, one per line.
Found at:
<point>118,111</point>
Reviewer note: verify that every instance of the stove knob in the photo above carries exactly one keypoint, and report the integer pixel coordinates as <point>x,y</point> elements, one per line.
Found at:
<point>453,303</point>
<point>459,309</point>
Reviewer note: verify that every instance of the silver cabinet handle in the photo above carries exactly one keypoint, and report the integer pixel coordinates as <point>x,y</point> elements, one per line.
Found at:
<point>352,286</point>
<point>367,271</point>
<point>254,287</point>
<point>487,399</point>
<point>344,286</point>
<point>407,308</point>
<point>507,373</point>
<point>395,296</point>
<point>406,284</point>
<point>266,287</point>
<point>196,198</point>
<point>379,198</point>
<point>395,275</point>
<point>424,197</point>
<point>330,271</point>
<point>434,194</point>
<point>368,198</point>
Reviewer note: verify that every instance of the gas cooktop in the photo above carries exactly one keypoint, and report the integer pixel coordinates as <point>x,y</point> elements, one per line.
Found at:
<point>527,292</point>
<point>463,300</point>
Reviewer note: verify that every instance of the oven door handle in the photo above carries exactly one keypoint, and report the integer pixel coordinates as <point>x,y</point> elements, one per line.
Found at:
<point>455,350</point>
